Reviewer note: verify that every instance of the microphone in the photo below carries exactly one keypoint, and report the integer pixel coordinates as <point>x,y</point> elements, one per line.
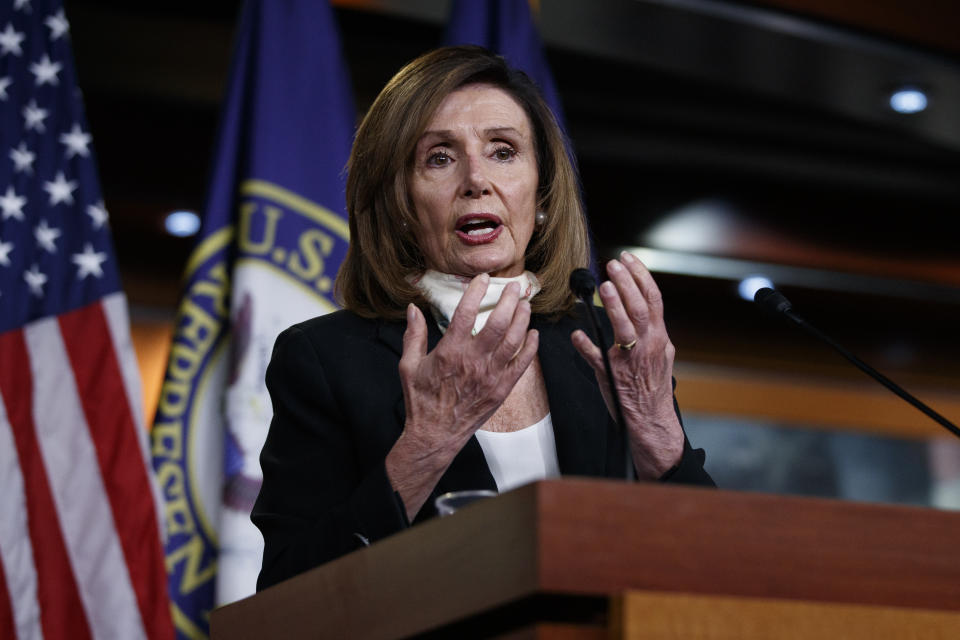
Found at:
<point>775,303</point>
<point>583,284</point>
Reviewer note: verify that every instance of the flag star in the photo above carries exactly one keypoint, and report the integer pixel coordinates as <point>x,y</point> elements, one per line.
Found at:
<point>35,280</point>
<point>34,116</point>
<point>22,158</point>
<point>10,41</point>
<point>12,204</point>
<point>46,235</point>
<point>58,24</point>
<point>88,262</point>
<point>97,213</point>
<point>46,71</point>
<point>60,190</point>
<point>76,141</point>
<point>5,249</point>
<point>5,82</point>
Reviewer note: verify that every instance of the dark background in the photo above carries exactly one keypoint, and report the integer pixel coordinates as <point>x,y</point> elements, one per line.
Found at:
<point>769,118</point>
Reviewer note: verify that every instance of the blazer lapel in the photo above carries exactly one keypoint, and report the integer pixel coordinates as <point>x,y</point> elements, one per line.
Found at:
<point>577,408</point>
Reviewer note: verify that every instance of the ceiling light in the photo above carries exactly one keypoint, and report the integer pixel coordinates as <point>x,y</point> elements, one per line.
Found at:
<point>182,223</point>
<point>703,226</point>
<point>749,286</point>
<point>908,100</point>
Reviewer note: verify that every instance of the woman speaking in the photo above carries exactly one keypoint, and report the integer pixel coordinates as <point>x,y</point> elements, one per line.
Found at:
<point>460,360</point>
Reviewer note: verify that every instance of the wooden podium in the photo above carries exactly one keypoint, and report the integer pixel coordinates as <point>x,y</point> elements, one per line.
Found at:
<point>577,558</point>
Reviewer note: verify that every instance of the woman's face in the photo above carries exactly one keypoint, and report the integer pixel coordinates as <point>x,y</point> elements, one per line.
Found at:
<point>474,184</point>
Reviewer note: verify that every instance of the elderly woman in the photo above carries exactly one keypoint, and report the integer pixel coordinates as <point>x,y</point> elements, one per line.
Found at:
<point>455,362</point>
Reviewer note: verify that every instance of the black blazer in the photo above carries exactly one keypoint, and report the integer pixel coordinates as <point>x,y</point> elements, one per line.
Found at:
<point>338,409</point>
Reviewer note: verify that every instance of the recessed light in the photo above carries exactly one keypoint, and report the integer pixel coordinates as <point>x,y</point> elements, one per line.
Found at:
<point>749,286</point>
<point>908,100</point>
<point>182,223</point>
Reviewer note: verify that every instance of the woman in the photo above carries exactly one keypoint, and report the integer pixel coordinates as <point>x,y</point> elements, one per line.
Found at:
<point>459,344</point>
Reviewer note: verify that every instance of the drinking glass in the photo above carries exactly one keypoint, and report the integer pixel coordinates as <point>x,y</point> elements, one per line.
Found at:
<point>453,500</point>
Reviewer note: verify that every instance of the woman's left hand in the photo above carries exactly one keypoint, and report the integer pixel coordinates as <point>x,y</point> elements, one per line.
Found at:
<point>642,365</point>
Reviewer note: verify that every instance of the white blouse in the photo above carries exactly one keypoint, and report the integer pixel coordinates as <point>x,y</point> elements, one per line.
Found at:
<point>519,457</point>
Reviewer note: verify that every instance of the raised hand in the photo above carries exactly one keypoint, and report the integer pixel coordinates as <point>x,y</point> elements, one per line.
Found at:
<point>642,365</point>
<point>452,391</point>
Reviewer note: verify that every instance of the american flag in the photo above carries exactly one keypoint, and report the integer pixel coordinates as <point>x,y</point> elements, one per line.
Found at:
<point>80,550</point>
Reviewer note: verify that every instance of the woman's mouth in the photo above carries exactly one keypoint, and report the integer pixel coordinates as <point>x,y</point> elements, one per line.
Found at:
<point>478,228</point>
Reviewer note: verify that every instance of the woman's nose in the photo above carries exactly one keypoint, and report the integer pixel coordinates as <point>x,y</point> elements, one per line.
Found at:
<point>475,180</point>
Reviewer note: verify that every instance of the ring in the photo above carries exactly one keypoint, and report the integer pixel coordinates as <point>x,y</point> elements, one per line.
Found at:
<point>626,347</point>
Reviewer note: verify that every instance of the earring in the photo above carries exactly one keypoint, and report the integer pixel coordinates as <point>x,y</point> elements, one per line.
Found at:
<point>540,218</point>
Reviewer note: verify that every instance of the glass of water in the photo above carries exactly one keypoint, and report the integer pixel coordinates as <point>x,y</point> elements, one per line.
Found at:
<point>453,500</point>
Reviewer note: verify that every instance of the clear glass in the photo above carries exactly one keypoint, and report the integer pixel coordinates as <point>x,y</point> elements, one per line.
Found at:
<point>454,500</point>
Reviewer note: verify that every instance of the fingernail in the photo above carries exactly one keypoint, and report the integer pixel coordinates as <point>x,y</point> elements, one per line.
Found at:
<point>626,256</point>
<point>608,288</point>
<point>615,266</point>
<point>410,313</point>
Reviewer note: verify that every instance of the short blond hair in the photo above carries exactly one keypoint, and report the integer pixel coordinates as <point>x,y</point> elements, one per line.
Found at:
<point>383,252</point>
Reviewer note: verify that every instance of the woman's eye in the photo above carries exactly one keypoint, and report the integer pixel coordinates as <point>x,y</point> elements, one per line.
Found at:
<point>438,159</point>
<point>504,153</point>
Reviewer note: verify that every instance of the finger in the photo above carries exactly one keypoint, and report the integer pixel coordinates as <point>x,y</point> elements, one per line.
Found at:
<point>461,325</point>
<point>414,340</point>
<point>501,318</point>
<point>624,330</point>
<point>589,352</point>
<point>521,362</point>
<point>631,300</point>
<point>648,287</point>
<point>513,338</point>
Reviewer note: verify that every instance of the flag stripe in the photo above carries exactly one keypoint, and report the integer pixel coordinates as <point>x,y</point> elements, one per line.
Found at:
<point>19,577</point>
<point>78,489</point>
<point>115,307</point>
<point>6,608</point>
<point>63,615</point>
<point>102,391</point>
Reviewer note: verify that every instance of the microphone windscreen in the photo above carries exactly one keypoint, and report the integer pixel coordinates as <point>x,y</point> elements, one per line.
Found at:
<point>582,283</point>
<point>772,300</point>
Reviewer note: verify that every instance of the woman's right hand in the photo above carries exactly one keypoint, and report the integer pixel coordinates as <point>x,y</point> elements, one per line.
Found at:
<point>452,391</point>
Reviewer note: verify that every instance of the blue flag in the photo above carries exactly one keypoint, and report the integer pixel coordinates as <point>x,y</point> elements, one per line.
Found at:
<point>506,27</point>
<point>274,234</point>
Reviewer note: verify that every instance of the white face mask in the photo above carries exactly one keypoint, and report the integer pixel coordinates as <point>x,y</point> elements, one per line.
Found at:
<point>444,292</point>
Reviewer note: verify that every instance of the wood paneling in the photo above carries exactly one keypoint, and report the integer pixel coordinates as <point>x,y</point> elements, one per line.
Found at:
<point>661,616</point>
<point>151,341</point>
<point>810,401</point>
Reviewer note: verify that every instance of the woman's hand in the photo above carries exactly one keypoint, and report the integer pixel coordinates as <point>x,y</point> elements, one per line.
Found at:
<point>452,391</point>
<point>642,365</point>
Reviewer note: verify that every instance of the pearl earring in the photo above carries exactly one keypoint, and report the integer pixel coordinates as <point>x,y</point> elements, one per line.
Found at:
<point>540,218</point>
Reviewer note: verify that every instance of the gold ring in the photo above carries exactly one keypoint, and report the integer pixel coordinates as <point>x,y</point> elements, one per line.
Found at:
<point>628,346</point>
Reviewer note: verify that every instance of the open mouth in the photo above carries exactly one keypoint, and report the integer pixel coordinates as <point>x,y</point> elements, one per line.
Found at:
<point>478,228</point>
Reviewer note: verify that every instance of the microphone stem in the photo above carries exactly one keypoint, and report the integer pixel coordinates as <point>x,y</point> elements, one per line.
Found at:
<point>876,375</point>
<point>592,313</point>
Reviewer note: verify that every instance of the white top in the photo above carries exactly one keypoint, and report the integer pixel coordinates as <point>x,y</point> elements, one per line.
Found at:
<point>519,457</point>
